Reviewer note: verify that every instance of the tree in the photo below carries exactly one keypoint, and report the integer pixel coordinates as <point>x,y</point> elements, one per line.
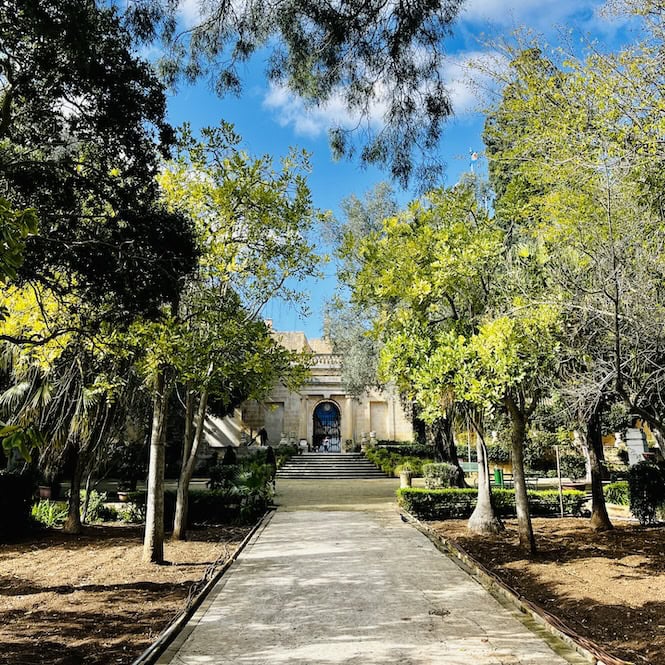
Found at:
<point>348,325</point>
<point>231,358</point>
<point>67,396</point>
<point>252,223</point>
<point>427,273</point>
<point>575,163</point>
<point>369,55</point>
<point>81,129</point>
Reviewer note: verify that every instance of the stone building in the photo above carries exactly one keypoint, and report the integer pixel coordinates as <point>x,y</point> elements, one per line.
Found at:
<point>320,413</point>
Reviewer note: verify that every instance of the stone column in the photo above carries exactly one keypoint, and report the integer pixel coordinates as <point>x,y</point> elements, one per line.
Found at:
<point>302,428</point>
<point>347,420</point>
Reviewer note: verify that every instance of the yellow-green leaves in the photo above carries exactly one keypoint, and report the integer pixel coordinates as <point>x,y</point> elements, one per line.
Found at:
<point>15,227</point>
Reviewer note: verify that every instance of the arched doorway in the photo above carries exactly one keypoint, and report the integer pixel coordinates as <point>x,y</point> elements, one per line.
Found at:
<point>327,428</point>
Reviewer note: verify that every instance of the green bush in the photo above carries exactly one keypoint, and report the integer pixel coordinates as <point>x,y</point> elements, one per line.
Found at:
<point>242,502</point>
<point>463,452</point>
<point>95,505</point>
<point>646,486</point>
<point>49,513</point>
<point>419,450</point>
<point>390,461</point>
<point>108,514</point>
<point>617,493</point>
<point>459,503</point>
<point>498,453</point>
<point>282,454</point>
<point>573,465</point>
<point>439,474</point>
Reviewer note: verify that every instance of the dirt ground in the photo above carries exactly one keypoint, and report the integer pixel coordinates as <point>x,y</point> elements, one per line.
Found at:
<point>608,587</point>
<point>66,600</point>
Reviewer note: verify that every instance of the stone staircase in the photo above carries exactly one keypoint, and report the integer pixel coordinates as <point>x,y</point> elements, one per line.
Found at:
<point>329,466</point>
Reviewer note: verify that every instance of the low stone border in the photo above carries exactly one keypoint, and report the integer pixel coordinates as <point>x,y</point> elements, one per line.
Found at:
<point>500,590</point>
<point>157,648</point>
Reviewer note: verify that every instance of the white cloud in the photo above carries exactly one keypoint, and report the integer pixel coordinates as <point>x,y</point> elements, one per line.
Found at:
<point>469,80</point>
<point>190,12</point>
<point>312,121</point>
<point>536,14</point>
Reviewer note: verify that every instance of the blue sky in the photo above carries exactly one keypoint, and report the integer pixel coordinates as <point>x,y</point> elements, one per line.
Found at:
<point>271,119</point>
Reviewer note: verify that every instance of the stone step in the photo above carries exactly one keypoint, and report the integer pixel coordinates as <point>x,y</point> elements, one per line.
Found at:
<point>329,466</point>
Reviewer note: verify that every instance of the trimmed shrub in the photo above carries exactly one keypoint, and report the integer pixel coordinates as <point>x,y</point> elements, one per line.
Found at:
<point>646,486</point>
<point>439,474</point>
<point>218,506</point>
<point>459,503</point>
<point>16,496</point>
<point>617,493</point>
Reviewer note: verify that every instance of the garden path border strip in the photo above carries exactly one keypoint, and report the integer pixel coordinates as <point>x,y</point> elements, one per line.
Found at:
<point>502,591</point>
<point>169,634</point>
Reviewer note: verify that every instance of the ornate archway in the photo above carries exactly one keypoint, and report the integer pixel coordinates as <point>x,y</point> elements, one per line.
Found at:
<point>327,435</point>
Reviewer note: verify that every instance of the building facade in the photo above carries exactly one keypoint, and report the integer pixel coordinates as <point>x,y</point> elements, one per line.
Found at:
<point>319,414</point>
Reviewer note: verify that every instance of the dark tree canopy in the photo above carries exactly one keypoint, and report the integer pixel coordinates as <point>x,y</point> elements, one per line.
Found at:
<point>370,52</point>
<point>82,126</point>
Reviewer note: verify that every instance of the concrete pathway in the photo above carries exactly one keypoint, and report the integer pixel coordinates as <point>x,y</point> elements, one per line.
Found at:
<point>330,587</point>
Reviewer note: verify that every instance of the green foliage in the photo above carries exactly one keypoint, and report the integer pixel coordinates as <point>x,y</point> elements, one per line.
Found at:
<point>50,513</point>
<point>646,485</point>
<point>390,461</point>
<point>407,449</point>
<point>360,54</point>
<point>459,503</point>
<point>496,452</point>
<point>95,505</point>
<point>84,165</point>
<point>22,438</point>
<point>15,227</point>
<point>283,453</point>
<point>439,475</point>
<point>617,493</point>
<point>573,465</point>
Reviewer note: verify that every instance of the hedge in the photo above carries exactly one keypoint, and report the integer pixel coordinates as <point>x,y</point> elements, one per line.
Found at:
<point>205,506</point>
<point>459,503</point>
<point>617,493</point>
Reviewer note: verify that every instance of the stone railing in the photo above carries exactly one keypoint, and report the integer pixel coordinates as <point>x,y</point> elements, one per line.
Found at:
<point>332,360</point>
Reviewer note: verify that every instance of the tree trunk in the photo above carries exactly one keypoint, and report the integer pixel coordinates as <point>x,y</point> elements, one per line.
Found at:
<point>518,437</point>
<point>188,462</point>
<point>445,449</point>
<point>73,522</point>
<point>483,519</point>
<point>153,541</point>
<point>600,520</point>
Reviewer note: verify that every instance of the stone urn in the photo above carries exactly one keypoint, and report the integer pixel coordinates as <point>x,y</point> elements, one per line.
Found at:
<point>405,477</point>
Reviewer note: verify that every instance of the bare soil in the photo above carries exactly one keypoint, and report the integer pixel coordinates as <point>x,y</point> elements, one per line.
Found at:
<point>66,600</point>
<point>608,587</point>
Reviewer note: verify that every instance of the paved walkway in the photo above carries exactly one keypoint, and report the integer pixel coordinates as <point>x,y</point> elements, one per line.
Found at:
<point>329,587</point>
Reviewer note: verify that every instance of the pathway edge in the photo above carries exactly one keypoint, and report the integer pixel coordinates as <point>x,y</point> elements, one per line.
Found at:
<point>500,590</point>
<point>169,634</point>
